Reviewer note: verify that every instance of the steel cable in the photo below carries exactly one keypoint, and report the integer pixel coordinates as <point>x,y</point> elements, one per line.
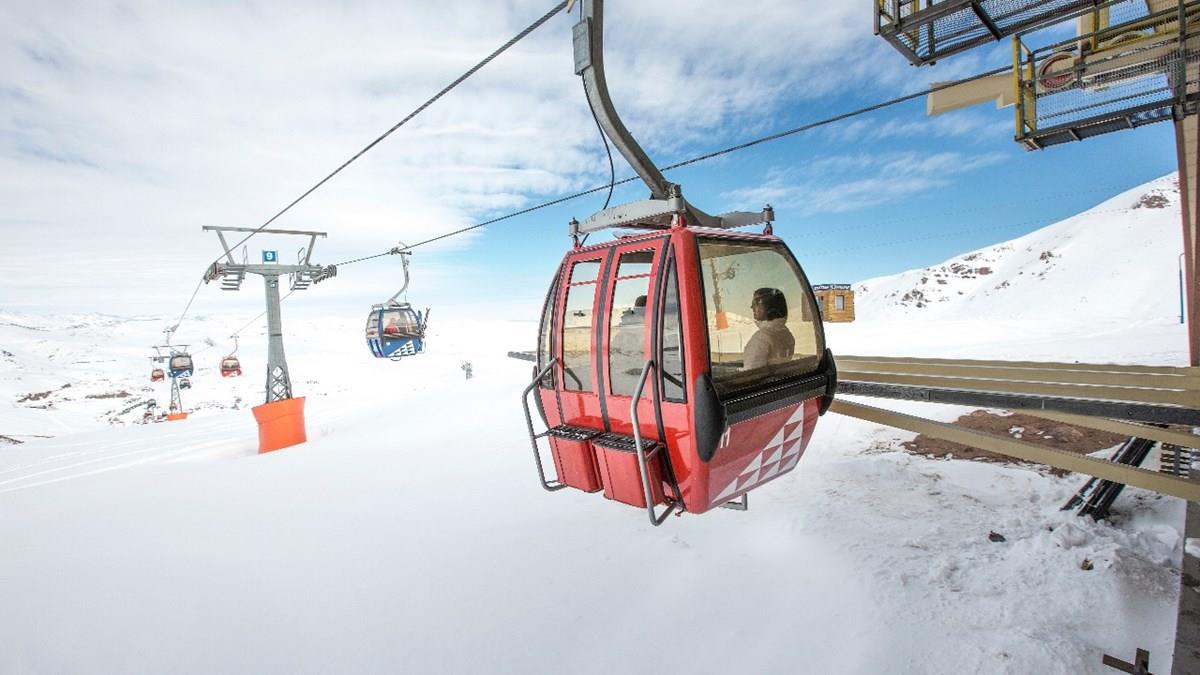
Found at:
<point>612,183</point>
<point>421,108</point>
<point>717,153</point>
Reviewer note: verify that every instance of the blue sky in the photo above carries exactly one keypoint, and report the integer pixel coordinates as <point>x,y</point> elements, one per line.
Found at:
<point>127,126</point>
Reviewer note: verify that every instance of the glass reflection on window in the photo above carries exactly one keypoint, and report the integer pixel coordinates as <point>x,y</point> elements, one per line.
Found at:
<point>762,319</point>
<point>627,325</point>
<point>577,322</point>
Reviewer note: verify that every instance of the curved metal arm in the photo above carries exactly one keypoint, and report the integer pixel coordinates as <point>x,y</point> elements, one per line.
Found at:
<point>589,62</point>
<point>537,457</point>
<point>403,253</point>
<point>655,519</point>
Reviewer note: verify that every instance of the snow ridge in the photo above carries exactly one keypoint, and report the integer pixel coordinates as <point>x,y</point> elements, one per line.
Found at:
<point>1116,260</point>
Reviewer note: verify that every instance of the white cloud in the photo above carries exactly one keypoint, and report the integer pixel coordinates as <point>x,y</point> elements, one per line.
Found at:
<point>842,183</point>
<point>126,126</point>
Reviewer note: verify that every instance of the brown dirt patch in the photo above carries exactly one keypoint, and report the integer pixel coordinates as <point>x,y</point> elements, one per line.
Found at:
<point>1027,428</point>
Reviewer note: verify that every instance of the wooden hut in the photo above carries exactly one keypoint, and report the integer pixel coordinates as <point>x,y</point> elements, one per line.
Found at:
<point>835,302</point>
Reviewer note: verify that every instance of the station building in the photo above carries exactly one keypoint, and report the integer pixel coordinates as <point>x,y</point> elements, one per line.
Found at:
<point>835,302</point>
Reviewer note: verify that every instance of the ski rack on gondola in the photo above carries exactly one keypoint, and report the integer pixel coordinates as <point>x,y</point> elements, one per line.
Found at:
<point>1100,396</point>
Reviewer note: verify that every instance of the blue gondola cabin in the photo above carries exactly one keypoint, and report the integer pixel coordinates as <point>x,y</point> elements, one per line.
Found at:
<point>395,331</point>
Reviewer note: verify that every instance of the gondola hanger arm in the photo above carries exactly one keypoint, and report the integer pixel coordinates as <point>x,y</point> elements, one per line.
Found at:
<point>589,64</point>
<point>666,198</point>
<point>404,253</point>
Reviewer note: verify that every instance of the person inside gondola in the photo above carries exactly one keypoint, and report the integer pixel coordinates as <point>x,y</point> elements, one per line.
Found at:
<point>400,325</point>
<point>773,342</point>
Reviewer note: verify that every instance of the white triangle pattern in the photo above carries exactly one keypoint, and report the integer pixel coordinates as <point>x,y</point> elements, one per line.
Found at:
<point>775,455</point>
<point>798,432</point>
<point>786,460</point>
<point>797,416</point>
<point>779,439</point>
<point>727,492</point>
<point>754,466</point>
<point>770,473</point>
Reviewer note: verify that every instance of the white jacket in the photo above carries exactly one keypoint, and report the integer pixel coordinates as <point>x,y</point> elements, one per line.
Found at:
<point>772,343</point>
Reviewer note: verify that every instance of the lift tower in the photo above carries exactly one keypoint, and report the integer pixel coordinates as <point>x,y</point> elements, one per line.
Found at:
<point>300,275</point>
<point>169,353</point>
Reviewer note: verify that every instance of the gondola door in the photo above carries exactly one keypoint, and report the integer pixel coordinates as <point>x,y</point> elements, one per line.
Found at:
<point>567,396</point>
<point>631,315</point>
<point>579,307</point>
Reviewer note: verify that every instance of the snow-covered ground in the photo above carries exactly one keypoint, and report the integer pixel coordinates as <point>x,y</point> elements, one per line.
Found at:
<point>409,533</point>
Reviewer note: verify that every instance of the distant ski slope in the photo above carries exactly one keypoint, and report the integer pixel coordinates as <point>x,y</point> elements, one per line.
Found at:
<point>1117,260</point>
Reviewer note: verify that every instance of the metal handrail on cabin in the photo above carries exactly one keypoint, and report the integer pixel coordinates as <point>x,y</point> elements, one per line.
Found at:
<point>655,519</point>
<point>537,457</point>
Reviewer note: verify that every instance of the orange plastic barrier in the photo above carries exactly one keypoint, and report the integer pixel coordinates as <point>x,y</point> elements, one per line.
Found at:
<point>280,424</point>
<point>175,417</point>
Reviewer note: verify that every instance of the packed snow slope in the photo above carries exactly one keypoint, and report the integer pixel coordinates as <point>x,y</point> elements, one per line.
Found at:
<point>410,535</point>
<point>1115,260</point>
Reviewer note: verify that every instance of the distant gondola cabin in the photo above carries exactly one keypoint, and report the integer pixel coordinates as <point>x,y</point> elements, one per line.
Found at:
<point>836,302</point>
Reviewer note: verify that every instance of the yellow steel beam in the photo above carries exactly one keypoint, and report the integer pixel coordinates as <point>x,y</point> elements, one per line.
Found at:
<point>1187,399</point>
<point>1046,365</point>
<point>1161,435</point>
<point>996,88</point>
<point>1061,459</point>
<point>1144,380</point>
<point>1162,48</point>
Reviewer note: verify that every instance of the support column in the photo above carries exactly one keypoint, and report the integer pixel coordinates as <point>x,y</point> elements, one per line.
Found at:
<point>1187,626</point>
<point>1187,141</point>
<point>176,399</point>
<point>279,383</point>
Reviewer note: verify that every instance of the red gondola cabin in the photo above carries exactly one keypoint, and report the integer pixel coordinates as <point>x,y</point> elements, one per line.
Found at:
<point>739,368</point>
<point>714,333</point>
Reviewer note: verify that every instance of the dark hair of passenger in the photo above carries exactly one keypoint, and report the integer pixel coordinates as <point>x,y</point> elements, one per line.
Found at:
<point>773,301</point>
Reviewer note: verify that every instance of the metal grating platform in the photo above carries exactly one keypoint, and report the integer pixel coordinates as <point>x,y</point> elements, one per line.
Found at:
<point>927,30</point>
<point>1134,69</point>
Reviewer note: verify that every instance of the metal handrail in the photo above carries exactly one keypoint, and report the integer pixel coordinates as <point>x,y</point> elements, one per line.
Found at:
<point>537,457</point>
<point>655,520</point>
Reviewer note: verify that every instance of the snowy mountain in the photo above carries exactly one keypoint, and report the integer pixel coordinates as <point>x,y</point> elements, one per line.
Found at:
<point>1115,260</point>
<point>65,374</point>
